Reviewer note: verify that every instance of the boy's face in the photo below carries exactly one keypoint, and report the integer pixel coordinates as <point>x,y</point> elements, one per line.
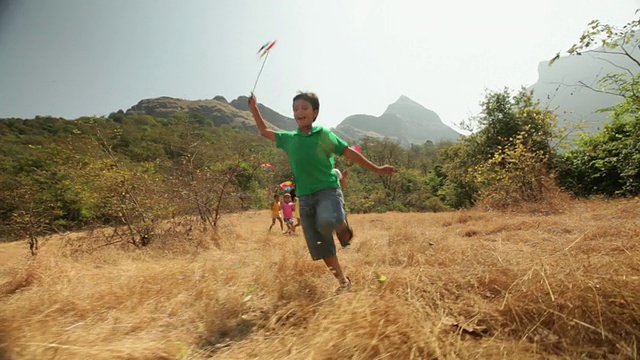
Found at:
<point>303,113</point>
<point>287,198</point>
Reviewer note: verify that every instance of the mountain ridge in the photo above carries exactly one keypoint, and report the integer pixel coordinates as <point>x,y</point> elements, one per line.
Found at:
<point>404,121</point>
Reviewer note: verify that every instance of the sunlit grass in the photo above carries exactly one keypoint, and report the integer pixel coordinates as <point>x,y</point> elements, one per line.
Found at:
<point>467,284</point>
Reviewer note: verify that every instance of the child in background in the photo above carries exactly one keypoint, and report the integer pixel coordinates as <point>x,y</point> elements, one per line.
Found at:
<point>311,151</point>
<point>275,212</point>
<point>287,213</point>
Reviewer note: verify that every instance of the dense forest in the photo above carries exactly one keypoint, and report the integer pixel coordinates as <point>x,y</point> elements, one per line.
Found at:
<point>133,171</point>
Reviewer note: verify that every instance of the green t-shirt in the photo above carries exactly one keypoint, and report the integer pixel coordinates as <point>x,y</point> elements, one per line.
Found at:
<point>311,158</point>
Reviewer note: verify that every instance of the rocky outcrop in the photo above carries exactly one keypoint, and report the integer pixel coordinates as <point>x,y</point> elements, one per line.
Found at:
<point>281,121</point>
<point>564,87</point>
<point>218,110</point>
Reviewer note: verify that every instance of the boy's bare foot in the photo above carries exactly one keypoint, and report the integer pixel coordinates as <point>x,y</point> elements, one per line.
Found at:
<point>344,287</point>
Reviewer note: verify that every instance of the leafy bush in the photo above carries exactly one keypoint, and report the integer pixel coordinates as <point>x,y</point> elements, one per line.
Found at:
<point>507,158</point>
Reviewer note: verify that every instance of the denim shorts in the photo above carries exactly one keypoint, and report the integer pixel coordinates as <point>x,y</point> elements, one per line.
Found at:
<point>320,214</point>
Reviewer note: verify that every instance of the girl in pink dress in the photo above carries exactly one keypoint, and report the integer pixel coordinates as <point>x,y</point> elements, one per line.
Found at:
<point>288,208</point>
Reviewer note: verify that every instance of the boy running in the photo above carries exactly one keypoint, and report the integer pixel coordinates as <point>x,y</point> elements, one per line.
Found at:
<point>311,151</point>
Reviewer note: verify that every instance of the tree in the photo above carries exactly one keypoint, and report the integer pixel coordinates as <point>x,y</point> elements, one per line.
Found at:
<point>131,194</point>
<point>508,155</point>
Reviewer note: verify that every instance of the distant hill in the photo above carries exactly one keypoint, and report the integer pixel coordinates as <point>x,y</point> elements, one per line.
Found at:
<point>404,121</point>
<point>217,109</point>
<point>559,88</point>
<point>281,121</point>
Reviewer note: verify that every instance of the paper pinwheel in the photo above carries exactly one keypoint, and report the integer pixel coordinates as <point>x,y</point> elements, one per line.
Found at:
<point>264,50</point>
<point>286,186</point>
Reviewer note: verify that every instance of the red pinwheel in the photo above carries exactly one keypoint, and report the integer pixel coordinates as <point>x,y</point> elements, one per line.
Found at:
<point>267,167</point>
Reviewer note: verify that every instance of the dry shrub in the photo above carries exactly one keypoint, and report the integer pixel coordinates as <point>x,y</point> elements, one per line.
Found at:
<point>517,178</point>
<point>548,199</point>
<point>19,278</point>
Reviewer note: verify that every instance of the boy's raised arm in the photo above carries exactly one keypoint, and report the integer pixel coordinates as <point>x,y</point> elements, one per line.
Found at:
<point>262,127</point>
<point>358,158</point>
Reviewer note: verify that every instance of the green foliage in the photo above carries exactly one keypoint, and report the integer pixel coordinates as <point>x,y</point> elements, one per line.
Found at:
<point>606,163</point>
<point>124,171</point>
<point>459,189</point>
<point>608,37</point>
<point>36,187</point>
<point>505,116</point>
<point>131,171</point>
<point>507,159</point>
<point>414,186</point>
<point>514,175</point>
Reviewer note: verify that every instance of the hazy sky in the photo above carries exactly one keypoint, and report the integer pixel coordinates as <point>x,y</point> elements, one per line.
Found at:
<point>72,58</point>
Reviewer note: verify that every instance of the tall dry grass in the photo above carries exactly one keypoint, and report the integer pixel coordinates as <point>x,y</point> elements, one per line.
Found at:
<point>532,284</point>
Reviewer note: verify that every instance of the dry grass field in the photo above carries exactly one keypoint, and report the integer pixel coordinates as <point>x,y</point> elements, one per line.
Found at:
<point>473,284</point>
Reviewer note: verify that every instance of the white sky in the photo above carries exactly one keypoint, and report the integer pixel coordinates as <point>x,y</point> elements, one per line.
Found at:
<point>73,58</point>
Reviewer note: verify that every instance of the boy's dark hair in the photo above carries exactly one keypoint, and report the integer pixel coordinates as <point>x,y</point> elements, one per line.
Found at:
<point>275,196</point>
<point>310,97</point>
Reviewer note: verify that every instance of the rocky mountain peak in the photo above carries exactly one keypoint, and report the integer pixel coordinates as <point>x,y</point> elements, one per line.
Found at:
<point>404,105</point>
<point>403,99</point>
<point>404,121</point>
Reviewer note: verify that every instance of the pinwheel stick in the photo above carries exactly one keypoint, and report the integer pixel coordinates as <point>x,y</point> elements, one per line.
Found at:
<point>262,67</point>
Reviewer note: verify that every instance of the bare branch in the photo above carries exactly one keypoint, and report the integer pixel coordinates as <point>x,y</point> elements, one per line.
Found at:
<point>597,90</point>
<point>629,56</point>
<point>583,84</point>
<point>614,64</point>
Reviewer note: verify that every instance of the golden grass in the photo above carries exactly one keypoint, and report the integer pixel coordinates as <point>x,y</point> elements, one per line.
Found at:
<point>532,284</point>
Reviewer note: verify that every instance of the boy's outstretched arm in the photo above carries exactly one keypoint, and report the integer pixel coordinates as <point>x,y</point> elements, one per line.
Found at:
<point>262,127</point>
<point>358,158</point>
